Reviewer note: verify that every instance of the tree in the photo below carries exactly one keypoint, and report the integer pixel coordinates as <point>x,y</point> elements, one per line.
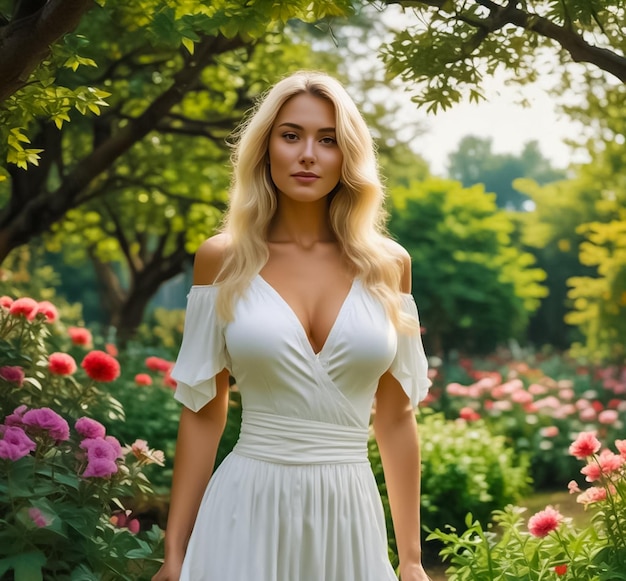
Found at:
<point>180,76</point>
<point>474,288</point>
<point>474,162</point>
<point>455,43</point>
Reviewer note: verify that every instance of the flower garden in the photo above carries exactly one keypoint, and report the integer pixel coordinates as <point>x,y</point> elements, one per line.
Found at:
<point>87,436</point>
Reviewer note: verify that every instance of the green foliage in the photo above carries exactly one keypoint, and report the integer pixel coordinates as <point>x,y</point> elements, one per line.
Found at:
<point>450,47</point>
<point>474,162</point>
<point>56,522</point>
<point>462,462</point>
<point>596,552</point>
<point>474,288</point>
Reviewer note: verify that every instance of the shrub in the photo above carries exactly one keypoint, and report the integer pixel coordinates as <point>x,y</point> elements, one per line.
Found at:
<point>464,468</point>
<point>549,546</point>
<point>63,476</point>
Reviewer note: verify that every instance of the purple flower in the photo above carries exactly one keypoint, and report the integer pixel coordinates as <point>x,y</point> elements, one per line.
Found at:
<point>99,449</point>
<point>15,444</point>
<point>12,374</point>
<point>38,518</point>
<point>15,419</point>
<point>100,468</point>
<point>49,420</point>
<point>89,428</point>
<point>114,442</point>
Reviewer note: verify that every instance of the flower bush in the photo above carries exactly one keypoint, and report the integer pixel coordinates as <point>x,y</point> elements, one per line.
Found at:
<point>549,546</point>
<point>460,461</point>
<point>537,407</point>
<point>64,478</point>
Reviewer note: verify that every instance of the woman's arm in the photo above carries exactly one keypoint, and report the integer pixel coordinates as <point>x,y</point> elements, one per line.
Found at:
<point>198,438</point>
<point>396,434</point>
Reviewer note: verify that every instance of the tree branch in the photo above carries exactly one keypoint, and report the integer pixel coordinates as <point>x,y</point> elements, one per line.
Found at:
<point>38,214</point>
<point>25,42</point>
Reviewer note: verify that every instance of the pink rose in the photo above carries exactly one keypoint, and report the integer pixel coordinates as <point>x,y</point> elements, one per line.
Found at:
<point>544,522</point>
<point>48,420</point>
<point>89,428</point>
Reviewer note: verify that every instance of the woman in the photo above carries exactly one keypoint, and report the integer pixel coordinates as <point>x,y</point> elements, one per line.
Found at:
<point>304,300</point>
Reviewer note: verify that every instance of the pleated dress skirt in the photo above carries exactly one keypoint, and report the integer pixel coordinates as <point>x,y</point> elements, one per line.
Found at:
<point>296,500</point>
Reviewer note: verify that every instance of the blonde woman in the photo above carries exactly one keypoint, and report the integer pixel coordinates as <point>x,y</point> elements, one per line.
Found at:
<point>305,301</point>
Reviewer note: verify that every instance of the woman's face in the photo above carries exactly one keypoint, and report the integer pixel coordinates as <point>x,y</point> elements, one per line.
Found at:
<point>305,160</point>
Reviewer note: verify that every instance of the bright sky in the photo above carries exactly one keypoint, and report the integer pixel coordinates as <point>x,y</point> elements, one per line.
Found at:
<point>501,117</point>
<point>508,123</point>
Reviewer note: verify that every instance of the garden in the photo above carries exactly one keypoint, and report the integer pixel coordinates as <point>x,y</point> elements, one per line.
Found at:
<point>115,125</point>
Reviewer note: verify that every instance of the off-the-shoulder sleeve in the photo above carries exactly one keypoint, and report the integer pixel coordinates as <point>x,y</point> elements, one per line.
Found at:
<point>202,353</point>
<point>410,366</point>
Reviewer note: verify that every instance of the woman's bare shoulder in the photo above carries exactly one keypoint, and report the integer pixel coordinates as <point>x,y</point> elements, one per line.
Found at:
<point>210,259</point>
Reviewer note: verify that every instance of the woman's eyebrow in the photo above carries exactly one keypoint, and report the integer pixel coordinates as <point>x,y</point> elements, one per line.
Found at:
<point>296,126</point>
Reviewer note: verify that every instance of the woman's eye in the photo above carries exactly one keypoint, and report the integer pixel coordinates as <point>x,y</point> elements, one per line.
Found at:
<point>290,136</point>
<point>328,140</point>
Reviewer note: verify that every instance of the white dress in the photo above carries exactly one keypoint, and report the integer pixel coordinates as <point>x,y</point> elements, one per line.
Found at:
<point>296,499</point>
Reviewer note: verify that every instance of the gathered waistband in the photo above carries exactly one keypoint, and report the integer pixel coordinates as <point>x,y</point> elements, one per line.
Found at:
<point>286,440</point>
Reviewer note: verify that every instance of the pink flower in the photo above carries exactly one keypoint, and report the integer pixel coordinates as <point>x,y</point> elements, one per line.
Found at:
<point>607,417</point>
<point>15,444</point>
<point>111,349</point>
<point>38,518</point>
<point>24,306</point>
<point>48,420</point>
<point>549,432</point>
<point>13,374</point>
<point>48,310</point>
<point>587,414</point>
<point>456,389</point>
<point>100,366</point>
<point>544,522</point>
<point>89,428</point>
<point>15,419</point>
<point>586,444</point>
<point>133,526</point>
<point>100,468</point>
<point>592,472</point>
<point>591,495</point>
<point>573,487</point>
<point>537,389</point>
<point>80,336</point>
<point>6,302</point>
<point>144,454</point>
<point>61,364</point>
<point>610,462</point>
<point>621,447</point>
<point>121,520</point>
<point>158,364</point>
<point>143,379</point>
<point>521,396</point>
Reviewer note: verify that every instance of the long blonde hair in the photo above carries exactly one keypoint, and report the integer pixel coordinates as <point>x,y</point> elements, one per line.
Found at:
<point>356,210</point>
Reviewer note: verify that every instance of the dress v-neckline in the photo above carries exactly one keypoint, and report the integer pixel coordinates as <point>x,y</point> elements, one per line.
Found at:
<point>299,323</point>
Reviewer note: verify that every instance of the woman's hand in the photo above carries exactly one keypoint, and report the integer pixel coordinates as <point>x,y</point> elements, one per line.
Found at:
<point>169,571</point>
<point>413,572</point>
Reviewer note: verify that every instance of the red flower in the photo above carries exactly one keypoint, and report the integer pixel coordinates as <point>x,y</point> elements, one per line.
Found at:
<point>560,570</point>
<point>100,366</point>
<point>585,445</point>
<point>5,302</point>
<point>143,379</point>
<point>544,522</point>
<point>61,364</point>
<point>169,381</point>
<point>158,364</point>
<point>24,306</point>
<point>80,336</point>
<point>48,310</point>
<point>469,414</point>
